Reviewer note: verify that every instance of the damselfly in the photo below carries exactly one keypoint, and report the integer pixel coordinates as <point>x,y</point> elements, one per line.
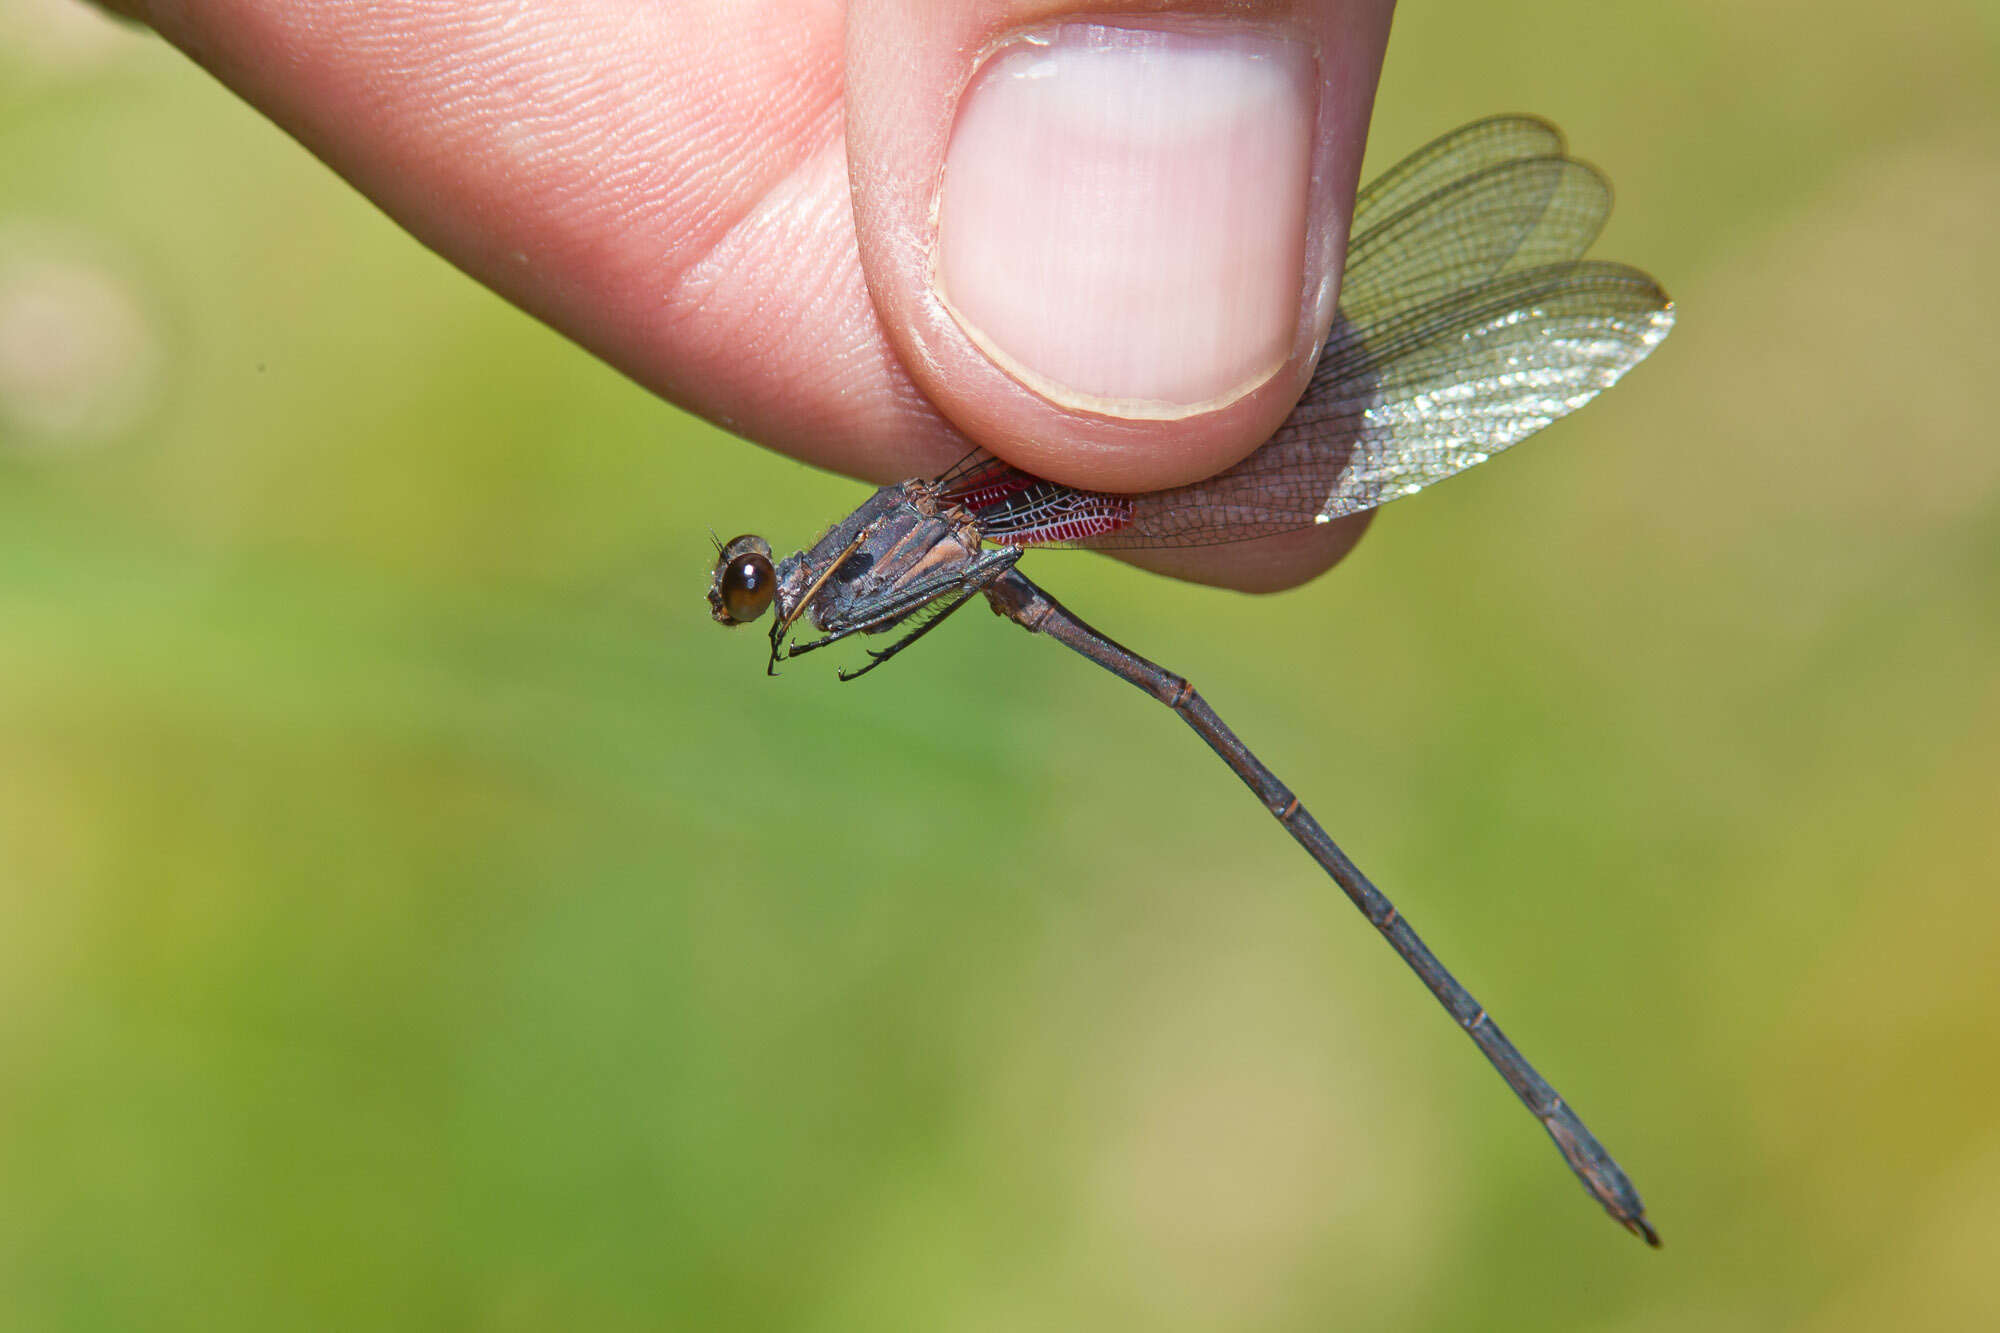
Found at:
<point>1468,321</point>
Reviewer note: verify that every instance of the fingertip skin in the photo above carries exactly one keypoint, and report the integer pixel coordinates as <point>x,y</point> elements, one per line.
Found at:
<point>909,63</point>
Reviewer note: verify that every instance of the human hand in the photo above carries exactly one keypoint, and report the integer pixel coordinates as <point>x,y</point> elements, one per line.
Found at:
<point>1120,282</point>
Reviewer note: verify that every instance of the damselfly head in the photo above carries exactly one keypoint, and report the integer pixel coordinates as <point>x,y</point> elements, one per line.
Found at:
<point>743,584</point>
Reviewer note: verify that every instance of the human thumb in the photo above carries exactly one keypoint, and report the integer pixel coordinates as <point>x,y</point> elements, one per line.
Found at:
<point>1107,244</point>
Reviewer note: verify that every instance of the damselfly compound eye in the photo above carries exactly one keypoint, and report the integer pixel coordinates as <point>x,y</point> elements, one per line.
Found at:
<point>744,581</point>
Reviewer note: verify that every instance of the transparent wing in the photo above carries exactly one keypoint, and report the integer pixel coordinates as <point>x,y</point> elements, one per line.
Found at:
<point>1489,368</point>
<point>1468,321</point>
<point>1449,158</point>
<point>1428,398</point>
<point>1493,197</point>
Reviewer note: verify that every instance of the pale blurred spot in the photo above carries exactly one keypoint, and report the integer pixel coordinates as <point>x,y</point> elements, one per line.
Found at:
<point>64,36</point>
<point>79,360</point>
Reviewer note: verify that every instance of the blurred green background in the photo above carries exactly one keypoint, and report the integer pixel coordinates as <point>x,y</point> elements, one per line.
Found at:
<point>415,914</point>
